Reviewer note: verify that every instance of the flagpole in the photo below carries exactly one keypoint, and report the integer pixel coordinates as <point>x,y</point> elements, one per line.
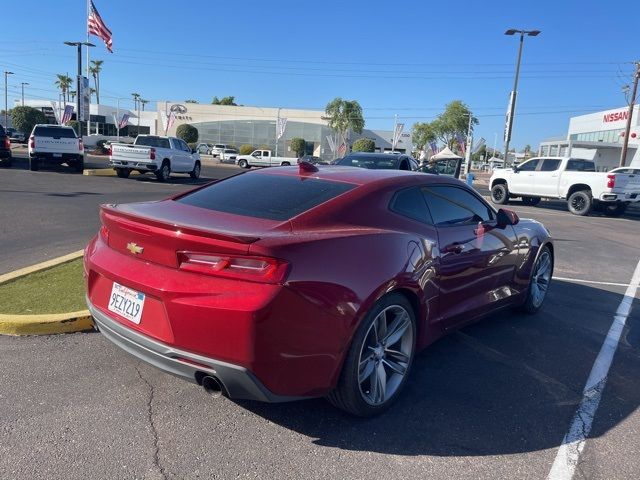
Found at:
<point>277,131</point>
<point>86,20</point>
<point>395,128</point>
<point>118,118</point>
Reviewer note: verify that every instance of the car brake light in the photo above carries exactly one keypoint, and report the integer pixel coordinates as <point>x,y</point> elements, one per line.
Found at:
<point>7,143</point>
<point>109,151</point>
<point>253,269</point>
<point>611,180</point>
<point>104,234</point>
<point>32,142</point>
<point>80,144</point>
<point>152,154</point>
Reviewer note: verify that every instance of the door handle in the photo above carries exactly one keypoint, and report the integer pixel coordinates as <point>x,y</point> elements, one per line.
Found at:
<point>454,248</point>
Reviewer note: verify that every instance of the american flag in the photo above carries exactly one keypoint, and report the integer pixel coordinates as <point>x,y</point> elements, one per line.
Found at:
<point>461,143</point>
<point>342,149</point>
<point>434,147</point>
<point>96,27</point>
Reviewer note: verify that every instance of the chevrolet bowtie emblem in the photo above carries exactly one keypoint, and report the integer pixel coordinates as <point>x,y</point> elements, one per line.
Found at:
<point>134,248</point>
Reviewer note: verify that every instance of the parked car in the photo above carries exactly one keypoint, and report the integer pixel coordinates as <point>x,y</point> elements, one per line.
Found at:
<point>446,166</point>
<point>573,179</point>
<point>229,155</point>
<point>378,161</point>
<point>629,170</point>
<point>5,148</point>
<point>296,282</point>
<point>18,137</point>
<point>152,153</point>
<point>218,148</point>
<point>55,144</point>
<point>264,158</point>
<point>312,159</point>
<point>204,148</point>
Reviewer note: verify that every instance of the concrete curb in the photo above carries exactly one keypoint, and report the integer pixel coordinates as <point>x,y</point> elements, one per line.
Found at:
<point>103,172</point>
<point>45,324</point>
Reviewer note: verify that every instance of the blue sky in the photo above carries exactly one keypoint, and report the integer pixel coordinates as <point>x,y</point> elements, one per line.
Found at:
<point>401,57</point>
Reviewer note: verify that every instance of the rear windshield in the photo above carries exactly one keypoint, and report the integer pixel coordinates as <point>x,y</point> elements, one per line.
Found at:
<point>271,197</point>
<point>156,142</point>
<point>386,162</point>
<point>55,132</point>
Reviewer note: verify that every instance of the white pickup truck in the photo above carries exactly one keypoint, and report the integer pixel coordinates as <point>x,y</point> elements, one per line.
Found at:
<point>573,179</point>
<point>55,144</point>
<point>263,158</point>
<point>151,153</point>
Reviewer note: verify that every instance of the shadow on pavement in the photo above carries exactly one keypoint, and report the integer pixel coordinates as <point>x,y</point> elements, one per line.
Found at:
<point>508,384</point>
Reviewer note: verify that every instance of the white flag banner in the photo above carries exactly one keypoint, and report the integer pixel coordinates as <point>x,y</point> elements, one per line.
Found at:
<point>332,143</point>
<point>478,146</point>
<point>396,134</point>
<point>165,121</point>
<point>282,124</point>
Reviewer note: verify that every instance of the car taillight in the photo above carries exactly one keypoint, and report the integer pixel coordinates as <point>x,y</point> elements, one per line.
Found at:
<point>253,269</point>
<point>104,234</point>
<point>7,143</point>
<point>80,144</point>
<point>611,180</point>
<point>152,154</point>
<point>109,150</point>
<point>32,142</point>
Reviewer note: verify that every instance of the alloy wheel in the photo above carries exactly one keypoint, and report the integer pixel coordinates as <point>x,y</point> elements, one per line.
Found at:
<point>541,279</point>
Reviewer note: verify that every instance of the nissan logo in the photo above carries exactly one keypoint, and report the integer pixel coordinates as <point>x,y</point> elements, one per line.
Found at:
<point>177,108</point>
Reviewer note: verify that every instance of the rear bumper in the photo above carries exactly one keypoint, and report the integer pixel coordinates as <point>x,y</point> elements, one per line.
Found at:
<point>145,166</point>
<point>239,383</point>
<point>619,197</point>
<point>55,157</point>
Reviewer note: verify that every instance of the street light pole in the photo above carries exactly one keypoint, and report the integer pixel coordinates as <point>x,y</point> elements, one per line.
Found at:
<point>627,130</point>
<point>6,102</point>
<point>514,92</point>
<point>79,89</point>
<point>23,84</point>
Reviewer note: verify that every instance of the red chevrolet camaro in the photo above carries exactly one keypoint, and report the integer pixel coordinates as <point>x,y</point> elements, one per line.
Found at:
<point>293,282</point>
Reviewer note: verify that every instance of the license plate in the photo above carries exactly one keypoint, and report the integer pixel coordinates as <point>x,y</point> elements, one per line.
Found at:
<point>126,302</point>
<point>57,155</point>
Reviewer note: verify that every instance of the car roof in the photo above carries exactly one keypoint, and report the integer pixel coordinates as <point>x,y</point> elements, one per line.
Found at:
<point>377,154</point>
<point>51,125</point>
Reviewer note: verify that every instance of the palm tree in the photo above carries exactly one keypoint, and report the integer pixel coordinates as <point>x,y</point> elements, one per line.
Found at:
<point>143,103</point>
<point>93,91</point>
<point>95,69</point>
<point>136,97</point>
<point>64,83</point>
<point>72,94</point>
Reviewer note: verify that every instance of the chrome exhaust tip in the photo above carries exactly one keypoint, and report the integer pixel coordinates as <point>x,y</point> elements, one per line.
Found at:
<point>212,386</point>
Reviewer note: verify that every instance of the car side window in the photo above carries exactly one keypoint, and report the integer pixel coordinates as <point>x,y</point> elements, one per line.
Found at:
<point>528,166</point>
<point>550,165</point>
<point>410,203</point>
<point>577,165</point>
<point>450,205</point>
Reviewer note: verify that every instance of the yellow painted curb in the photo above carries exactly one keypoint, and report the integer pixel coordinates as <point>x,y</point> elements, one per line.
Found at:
<point>45,324</point>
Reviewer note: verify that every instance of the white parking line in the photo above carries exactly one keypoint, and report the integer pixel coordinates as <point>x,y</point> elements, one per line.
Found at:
<point>574,441</point>
<point>578,280</point>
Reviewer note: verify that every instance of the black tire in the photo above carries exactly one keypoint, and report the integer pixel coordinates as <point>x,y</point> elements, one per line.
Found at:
<point>580,202</point>
<point>195,173</point>
<point>613,209</point>
<point>164,172</point>
<point>34,164</point>
<point>531,201</point>
<point>6,163</point>
<point>500,194</point>
<point>285,164</point>
<point>533,304</point>
<point>78,165</point>
<point>243,163</point>
<point>123,172</point>
<point>348,394</point>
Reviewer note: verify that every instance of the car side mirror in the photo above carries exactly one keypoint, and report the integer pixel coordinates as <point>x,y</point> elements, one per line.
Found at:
<point>506,217</point>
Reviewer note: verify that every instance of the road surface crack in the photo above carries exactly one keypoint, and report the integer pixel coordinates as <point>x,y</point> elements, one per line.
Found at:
<point>156,448</point>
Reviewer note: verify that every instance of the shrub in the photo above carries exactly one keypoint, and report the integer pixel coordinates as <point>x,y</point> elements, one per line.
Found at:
<point>263,147</point>
<point>187,132</point>
<point>364,145</point>
<point>25,118</point>
<point>246,149</point>
<point>298,145</point>
<point>75,125</point>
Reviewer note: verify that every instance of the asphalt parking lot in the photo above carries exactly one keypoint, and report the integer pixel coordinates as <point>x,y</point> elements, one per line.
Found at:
<point>492,401</point>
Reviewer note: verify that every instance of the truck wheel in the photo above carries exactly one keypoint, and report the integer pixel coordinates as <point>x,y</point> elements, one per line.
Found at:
<point>78,165</point>
<point>165,171</point>
<point>285,164</point>
<point>613,209</point>
<point>195,173</point>
<point>123,172</point>
<point>580,202</point>
<point>500,194</point>
<point>243,163</point>
<point>33,164</point>
<point>6,162</point>
<point>531,201</point>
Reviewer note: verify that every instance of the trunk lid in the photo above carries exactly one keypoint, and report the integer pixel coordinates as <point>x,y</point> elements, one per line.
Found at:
<point>626,183</point>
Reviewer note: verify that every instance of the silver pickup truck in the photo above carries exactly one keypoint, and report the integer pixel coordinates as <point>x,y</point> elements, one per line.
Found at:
<point>152,153</point>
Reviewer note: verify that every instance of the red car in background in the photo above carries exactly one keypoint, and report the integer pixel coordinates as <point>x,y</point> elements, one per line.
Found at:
<point>296,282</point>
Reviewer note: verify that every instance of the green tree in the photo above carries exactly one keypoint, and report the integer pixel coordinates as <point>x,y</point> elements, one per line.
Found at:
<point>187,132</point>
<point>422,134</point>
<point>364,145</point>
<point>246,149</point>
<point>190,101</point>
<point>344,115</point>
<point>298,145</point>
<point>453,122</point>
<point>94,69</point>
<point>64,83</point>
<point>75,125</point>
<point>223,101</point>
<point>25,118</point>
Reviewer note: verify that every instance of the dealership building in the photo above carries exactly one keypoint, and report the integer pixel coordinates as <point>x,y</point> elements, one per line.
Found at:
<point>599,137</point>
<point>256,126</point>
